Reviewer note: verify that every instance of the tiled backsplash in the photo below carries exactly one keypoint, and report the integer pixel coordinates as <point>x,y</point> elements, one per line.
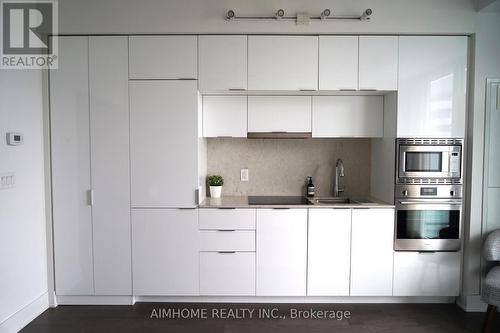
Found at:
<point>280,166</point>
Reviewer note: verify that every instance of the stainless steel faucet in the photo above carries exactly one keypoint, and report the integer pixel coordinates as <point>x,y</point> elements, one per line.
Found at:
<point>339,172</point>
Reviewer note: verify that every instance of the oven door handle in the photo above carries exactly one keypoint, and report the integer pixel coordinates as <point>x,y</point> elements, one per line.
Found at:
<point>423,202</point>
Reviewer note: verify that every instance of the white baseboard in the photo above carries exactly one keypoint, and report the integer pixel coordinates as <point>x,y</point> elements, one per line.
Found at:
<point>94,300</point>
<point>305,300</point>
<point>471,303</point>
<point>23,317</point>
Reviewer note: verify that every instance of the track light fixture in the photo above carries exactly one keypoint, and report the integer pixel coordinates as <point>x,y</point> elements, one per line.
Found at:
<point>366,15</point>
<point>280,13</point>
<point>230,15</point>
<point>302,18</point>
<point>325,14</point>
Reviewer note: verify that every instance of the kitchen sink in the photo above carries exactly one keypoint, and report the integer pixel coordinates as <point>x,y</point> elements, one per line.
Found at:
<point>331,201</point>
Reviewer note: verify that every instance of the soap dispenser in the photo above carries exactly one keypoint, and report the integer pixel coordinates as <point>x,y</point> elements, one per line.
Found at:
<point>310,187</point>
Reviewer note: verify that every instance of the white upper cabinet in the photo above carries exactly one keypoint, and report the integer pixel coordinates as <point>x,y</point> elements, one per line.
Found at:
<point>338,62</point>
<point>222,63</point>
<point>281,252</point>
<point>347,116</point>
<point>224,116</point>
<point>372,252</point>
<point>279,114</point>
<point>426,274</point>
<point>282,62</point>
<point>163,143</point>
<point>329,237</point>
<point>70,149</point>
<point>163,57</point>
<point>109,120</point>
<point>432,86</point>
<point>165,252</point>
<point>378,62</point>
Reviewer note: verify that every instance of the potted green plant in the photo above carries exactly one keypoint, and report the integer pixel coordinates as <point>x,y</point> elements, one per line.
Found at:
<point>215,182</point>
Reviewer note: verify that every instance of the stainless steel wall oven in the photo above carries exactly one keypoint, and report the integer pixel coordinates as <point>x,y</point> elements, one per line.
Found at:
<point>428,195</point>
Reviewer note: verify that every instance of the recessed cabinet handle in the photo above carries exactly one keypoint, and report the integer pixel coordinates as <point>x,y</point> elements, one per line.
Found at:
<point>186,78</point>
<point>226,252</point>
<point>307,89</point>
<point>341,89</point>
<point>368,89</point>
<point>237,89</point>
<point>226,230</point>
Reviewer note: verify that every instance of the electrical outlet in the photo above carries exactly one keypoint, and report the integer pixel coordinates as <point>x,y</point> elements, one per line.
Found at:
<point>7,180</point>
<point>244,175</point>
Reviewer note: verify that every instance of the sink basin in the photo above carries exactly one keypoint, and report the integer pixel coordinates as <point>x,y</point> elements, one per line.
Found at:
<point>331,201</point>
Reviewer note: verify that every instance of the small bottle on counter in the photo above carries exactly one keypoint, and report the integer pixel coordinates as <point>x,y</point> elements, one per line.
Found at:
<point>310,187</point>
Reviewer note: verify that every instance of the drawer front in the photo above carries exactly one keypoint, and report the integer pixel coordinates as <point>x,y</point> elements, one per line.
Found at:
<point>224,219</point>
<point>224,240</point>
<point>227,274</point>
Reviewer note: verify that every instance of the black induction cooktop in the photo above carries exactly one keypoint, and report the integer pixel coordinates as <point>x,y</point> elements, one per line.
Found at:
<point>277,200</point>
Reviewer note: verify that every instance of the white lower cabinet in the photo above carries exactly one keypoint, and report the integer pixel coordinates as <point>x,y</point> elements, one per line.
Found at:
<point>165,252</point>
<point>227,273</point>
<point>281,252</point>
<point>372,252</point>
<point>426,274</point>
<point>329,252</point>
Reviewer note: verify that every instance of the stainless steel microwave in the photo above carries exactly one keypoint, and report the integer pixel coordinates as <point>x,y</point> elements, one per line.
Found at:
<point>429,160</point>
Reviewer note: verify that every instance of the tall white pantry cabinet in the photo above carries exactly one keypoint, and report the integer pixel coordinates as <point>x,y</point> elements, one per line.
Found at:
<point>123,141</point>
<point>90,167</point>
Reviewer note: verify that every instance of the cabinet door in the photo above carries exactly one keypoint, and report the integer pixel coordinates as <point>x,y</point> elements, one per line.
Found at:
<point>372,252</point>
<point>432,86</point>
<point>163,57</point>
<point>69,109</point>
<point>347,116</point>
<point>109,118</point>
<point>281,252</point>
<point>227,273</point>
<point>225,116</point>
<point>282,62</point>
<point>378,62</point>
<point>165,255</point>
<point>163,143</point>
<point>329,252</point>
<point>223,63</point>
<point>426,274</point>
<point>338,62</point>
<point>279,114</point>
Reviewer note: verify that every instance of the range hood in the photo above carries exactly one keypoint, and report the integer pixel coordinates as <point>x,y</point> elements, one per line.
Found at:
<point>279,135</point>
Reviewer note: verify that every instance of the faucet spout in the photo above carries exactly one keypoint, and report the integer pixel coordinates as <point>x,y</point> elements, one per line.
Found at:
<point>339,173</point>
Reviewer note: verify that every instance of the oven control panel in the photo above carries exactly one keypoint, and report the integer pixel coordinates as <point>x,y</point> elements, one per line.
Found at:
<point>429,191</point>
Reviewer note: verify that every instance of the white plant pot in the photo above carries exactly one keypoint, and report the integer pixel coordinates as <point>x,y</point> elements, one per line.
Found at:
<point>215,191</point>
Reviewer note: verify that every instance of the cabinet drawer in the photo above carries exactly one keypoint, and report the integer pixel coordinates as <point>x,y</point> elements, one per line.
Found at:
<point>426,274</point>
<point>230,274</point>
<point>226,240</point>
<point>224,219</point>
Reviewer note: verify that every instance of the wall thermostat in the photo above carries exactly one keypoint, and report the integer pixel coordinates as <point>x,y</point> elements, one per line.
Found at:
<point>14,139</point>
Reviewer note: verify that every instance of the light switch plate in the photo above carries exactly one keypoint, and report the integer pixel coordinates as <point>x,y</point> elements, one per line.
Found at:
<point>7,180</point>
<point>244,175</point>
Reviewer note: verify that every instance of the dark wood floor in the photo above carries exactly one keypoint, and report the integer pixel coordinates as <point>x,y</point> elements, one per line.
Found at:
<point>383,318</point>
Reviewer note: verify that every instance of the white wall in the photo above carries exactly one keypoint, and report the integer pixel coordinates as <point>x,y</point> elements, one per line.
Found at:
<point>23,250</point>
<point>206,16</point>
<point>487,65</point>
